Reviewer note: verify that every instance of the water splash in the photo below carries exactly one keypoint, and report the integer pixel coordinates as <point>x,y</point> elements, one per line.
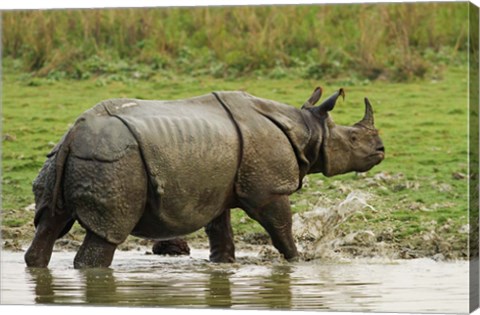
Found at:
<point>316,231</point>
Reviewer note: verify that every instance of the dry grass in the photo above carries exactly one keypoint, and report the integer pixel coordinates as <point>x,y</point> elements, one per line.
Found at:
<point>371,39</point>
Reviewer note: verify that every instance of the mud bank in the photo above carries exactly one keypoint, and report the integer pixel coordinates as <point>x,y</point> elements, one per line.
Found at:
<point>318,234</point>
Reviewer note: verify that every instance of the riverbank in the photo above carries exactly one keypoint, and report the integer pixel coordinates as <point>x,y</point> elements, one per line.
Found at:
<point>319,234</point>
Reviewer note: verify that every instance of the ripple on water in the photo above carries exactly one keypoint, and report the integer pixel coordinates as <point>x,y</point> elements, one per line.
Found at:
<point>136,279</point>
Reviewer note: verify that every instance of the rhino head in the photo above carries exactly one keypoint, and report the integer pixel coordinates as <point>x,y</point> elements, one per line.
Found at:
<point>344,149</point>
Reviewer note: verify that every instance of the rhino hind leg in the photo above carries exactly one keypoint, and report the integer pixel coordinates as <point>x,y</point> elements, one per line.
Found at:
<point>50,227</point>
<point>276,218</point>
<point>108,199</point>
<point>95,252</point>
<point>220,237</point>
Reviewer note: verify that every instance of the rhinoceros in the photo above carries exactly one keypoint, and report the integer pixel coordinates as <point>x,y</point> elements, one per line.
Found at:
<point>163,169</point>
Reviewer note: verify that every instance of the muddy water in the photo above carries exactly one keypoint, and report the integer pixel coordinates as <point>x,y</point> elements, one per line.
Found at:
<point>136,279</point>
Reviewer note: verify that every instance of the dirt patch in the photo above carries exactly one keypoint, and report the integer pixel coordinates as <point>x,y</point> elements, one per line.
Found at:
<point>359,244</point>
<point>318,233</point>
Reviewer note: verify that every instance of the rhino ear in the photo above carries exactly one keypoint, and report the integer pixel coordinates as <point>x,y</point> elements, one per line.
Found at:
<point>329,103</point>
<point>317,93</point>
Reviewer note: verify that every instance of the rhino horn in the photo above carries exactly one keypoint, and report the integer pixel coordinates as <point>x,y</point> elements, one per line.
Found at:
<point>367,119</point>
<point>329,103</point>
<point>317,93</point>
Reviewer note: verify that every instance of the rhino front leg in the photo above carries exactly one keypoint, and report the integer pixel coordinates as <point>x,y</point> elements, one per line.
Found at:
<point>220,237</point>
<point>276,219</point>
<point>49,229</point>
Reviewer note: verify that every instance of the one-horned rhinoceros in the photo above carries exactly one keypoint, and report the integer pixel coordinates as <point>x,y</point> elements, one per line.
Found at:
<point>163,169</point>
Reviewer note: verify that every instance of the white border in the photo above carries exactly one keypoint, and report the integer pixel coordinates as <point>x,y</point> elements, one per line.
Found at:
<point>59,4</point>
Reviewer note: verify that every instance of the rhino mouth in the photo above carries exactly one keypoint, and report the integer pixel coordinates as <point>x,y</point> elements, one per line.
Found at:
<point>380,153</point>
<point>376,158</point>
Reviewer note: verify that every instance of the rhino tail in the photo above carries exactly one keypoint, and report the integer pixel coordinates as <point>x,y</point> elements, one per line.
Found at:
<point>61,155</point>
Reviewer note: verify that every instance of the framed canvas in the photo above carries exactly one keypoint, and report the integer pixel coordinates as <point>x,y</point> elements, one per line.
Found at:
<point>209,157</point>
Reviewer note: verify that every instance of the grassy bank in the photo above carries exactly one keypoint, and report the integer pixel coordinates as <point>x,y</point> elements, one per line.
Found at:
<point>394,41</point>
<point>418,194</point>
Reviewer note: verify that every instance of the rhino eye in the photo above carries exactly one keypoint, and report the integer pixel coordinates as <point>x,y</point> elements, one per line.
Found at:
<point>353,136</point>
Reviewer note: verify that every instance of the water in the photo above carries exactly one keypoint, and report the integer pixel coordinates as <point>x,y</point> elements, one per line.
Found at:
<point>136,279</point>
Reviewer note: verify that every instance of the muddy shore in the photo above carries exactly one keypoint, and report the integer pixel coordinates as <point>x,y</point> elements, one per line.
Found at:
<point>335,245</point>
<point>362,244</point>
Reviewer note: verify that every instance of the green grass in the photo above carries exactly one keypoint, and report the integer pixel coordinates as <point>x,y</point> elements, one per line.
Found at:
<point>423,125</point>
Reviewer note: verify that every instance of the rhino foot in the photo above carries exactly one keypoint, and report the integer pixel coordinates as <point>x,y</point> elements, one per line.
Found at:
<point>95,252</point>
<point>294,259</point>
<point>175,247</point>
<point>222,258</point>
<point>220,237</point>
<point>49,228</point>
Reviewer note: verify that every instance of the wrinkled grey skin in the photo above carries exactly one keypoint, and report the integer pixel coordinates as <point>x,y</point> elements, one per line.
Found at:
<point>163,169</point>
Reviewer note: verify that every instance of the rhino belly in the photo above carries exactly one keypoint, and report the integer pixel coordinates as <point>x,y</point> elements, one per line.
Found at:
<point>186,208</point>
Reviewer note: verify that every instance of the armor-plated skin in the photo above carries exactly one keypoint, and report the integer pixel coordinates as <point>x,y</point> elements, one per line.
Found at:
<point>163,169</point>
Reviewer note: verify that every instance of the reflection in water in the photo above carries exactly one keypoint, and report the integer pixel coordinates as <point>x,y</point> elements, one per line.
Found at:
<point>218,290</point>
<point>213,286</point>
<point>100,286</point>
<point>42,277</point>
<point>141,280</point>
<point>277,293</point>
